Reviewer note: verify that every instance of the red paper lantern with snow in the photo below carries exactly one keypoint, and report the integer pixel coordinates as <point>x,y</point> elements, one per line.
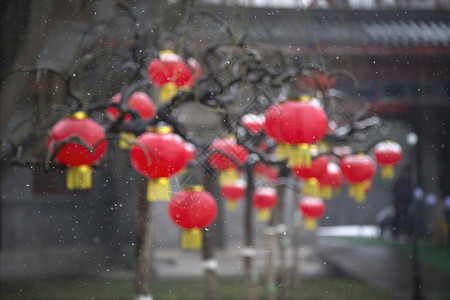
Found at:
<point>312,209</point>
<point>191,152</point>
<point>77,142</point>
<point>225,153</point>
<point>358,170</point>
<point>388,154</point>
<point>253,122</point>
<point>264,199</point>
<point>311,175</point>
<point>158,156</point>
<point>233,193</point>
<point>192,209</point>
<point>171,73</point>
<point>331,180</point>
<point>295,125</point>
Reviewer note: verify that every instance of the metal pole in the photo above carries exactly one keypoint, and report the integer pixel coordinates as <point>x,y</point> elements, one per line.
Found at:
<point>412,139</point>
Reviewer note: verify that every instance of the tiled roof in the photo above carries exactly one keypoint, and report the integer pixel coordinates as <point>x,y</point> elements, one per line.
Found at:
<point>342,28</point>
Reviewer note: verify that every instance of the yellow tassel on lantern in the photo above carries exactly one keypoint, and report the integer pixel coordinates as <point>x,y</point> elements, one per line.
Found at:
<point>358,191</point>
<point>311,187</point>
<point>326,192</point>
<point>387,171</point>
<point>167,92</point>
<point>282,151</point>
<point>232,205</point>
<point>191,238</point>
<point>158,189</point>
<point>228,176</point>
<point>126,139</point>
<point>79,178</point>
<point>299,156</point>
<point>263,214</point>
<point>310,223</point>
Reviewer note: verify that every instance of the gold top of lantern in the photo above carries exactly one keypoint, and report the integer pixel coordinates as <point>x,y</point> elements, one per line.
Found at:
<point>79,115</point>
<point>165,52</point>
<point>164,129</point>
<point>305,98</point>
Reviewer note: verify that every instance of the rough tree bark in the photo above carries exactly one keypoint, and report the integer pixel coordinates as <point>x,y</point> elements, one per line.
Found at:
<point>271,285</point>
<point>271,245</point>
<point>249,251</point>
<point>143,246</point>
<point>209,262</point>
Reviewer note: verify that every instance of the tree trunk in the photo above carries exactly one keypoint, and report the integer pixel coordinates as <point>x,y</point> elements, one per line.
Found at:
<point>249,251</point>
<point>281,229</point>
<point>143,245</point>
<point>209,263</point>
<point>294,280</point>
<point>271,246</point>
<point>271,285</point>
<point>210,266</point>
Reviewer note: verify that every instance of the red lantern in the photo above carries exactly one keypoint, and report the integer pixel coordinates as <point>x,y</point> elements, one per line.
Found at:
<point>233,193</point>
<point>331,180</point>
<point>192,210</point>
<point>77,142</point>
<point>264,199</point>
<point>225,154</point>
<point>142,104</point>
<point>254,123</point>
<point>170,72</point>
<point>358,170</point>
<point>138,101</point>
<point>311,175</point>
<point>158,156</point>
<point>312,208</point>
<point>196,68</point>
<point>190,150</point>
<point>388,154</point>
<point>295,125</point>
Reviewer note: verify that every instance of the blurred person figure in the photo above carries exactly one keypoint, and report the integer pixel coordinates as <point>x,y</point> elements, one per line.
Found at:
<point>402,197</point>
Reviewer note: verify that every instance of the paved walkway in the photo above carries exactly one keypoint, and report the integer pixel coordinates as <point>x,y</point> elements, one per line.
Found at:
<point>382,267</point>
<point>321,257</point>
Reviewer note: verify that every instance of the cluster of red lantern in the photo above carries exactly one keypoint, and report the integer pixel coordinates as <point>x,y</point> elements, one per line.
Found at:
<point>226,156</point>
<point>388,154</point>
<point>233,193</point>
<point>358,170</point>
<point>77,142</point>
<point>312,209</point>
<point>264,199</point>
<point>142,104</point>
<point>265,172</point>
<point>295,125</point>
<point>158,156</point>
<point>192,210</point>
<point>171,73</point>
